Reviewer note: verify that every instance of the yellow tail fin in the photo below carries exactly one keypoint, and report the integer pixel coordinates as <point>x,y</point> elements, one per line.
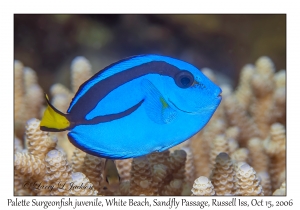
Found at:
<point>53,120</point>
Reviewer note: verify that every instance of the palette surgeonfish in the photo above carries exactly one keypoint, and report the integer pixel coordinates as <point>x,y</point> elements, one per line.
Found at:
<point>137,106</point>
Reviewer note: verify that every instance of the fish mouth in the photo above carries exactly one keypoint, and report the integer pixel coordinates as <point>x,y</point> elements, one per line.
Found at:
<point>220,95</point>
<point>178,107</point>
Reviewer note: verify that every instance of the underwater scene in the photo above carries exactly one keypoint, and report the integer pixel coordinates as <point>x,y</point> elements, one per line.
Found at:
<point>152,105</point>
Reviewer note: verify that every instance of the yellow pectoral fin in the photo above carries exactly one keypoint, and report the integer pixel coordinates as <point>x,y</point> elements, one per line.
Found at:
<point>163,102</point>
<point>53,120</point>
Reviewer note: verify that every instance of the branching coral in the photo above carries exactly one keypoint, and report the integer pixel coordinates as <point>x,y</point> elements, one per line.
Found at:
<point>281,190</point>
<point>159,172</point>
<point>247,182</point>
<point>218,145</point>
<point>159,162</point>
<point>258,158</point>
<point>78,160</point>
<point>30,164</point>
<point>79,179</point>
<point>58,171</point>
<point>201,144</point>
<point>141,177</point>
<point>223,176</point>
<point>240,155</point>
<point>265,181</point>
<point>159,157</point>
<point>81,71</point>
<point>203,186</point>
<point>34,93</point>
<point>176,161</point>
<point>176,170</point>
<point>189,176</point>
<point>275,148</point>
<point>200,150</point>
<point>243,91</point>
<point>173,188</point>
<point>124,167</point>
<point>39,143</point>
<point>263,85</point>
<point>279,98</point>
<point>237,116</point>
<point>232,134</point>
<point>18,145</point>
<point>93,167</point>
<point>27,97</point>
<point>124,188</point>
<point>19,95</point>
<point>27,168</point>
<point>241,149</point>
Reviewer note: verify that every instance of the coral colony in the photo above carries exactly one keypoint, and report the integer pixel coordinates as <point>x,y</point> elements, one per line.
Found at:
<point>241,151</point>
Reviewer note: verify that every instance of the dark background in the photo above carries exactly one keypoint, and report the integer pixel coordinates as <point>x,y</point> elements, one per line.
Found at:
<point>224,43</point>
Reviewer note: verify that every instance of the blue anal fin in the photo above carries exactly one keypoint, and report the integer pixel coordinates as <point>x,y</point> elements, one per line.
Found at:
<point>157,108</point>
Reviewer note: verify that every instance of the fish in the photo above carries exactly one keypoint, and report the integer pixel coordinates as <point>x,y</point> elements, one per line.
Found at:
<point>136,106</point>
<point>111,175</point>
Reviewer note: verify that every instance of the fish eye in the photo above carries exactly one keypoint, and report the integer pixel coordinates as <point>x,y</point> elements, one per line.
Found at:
<point>184,79</point>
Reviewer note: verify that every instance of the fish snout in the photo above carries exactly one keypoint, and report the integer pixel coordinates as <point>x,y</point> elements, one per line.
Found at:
<point>218,93</point>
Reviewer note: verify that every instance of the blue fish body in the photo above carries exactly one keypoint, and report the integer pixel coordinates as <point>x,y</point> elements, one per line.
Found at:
<point>140,105</point>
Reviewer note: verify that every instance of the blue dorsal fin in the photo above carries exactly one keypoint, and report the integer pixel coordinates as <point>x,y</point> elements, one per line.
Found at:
<point>157,108</point>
